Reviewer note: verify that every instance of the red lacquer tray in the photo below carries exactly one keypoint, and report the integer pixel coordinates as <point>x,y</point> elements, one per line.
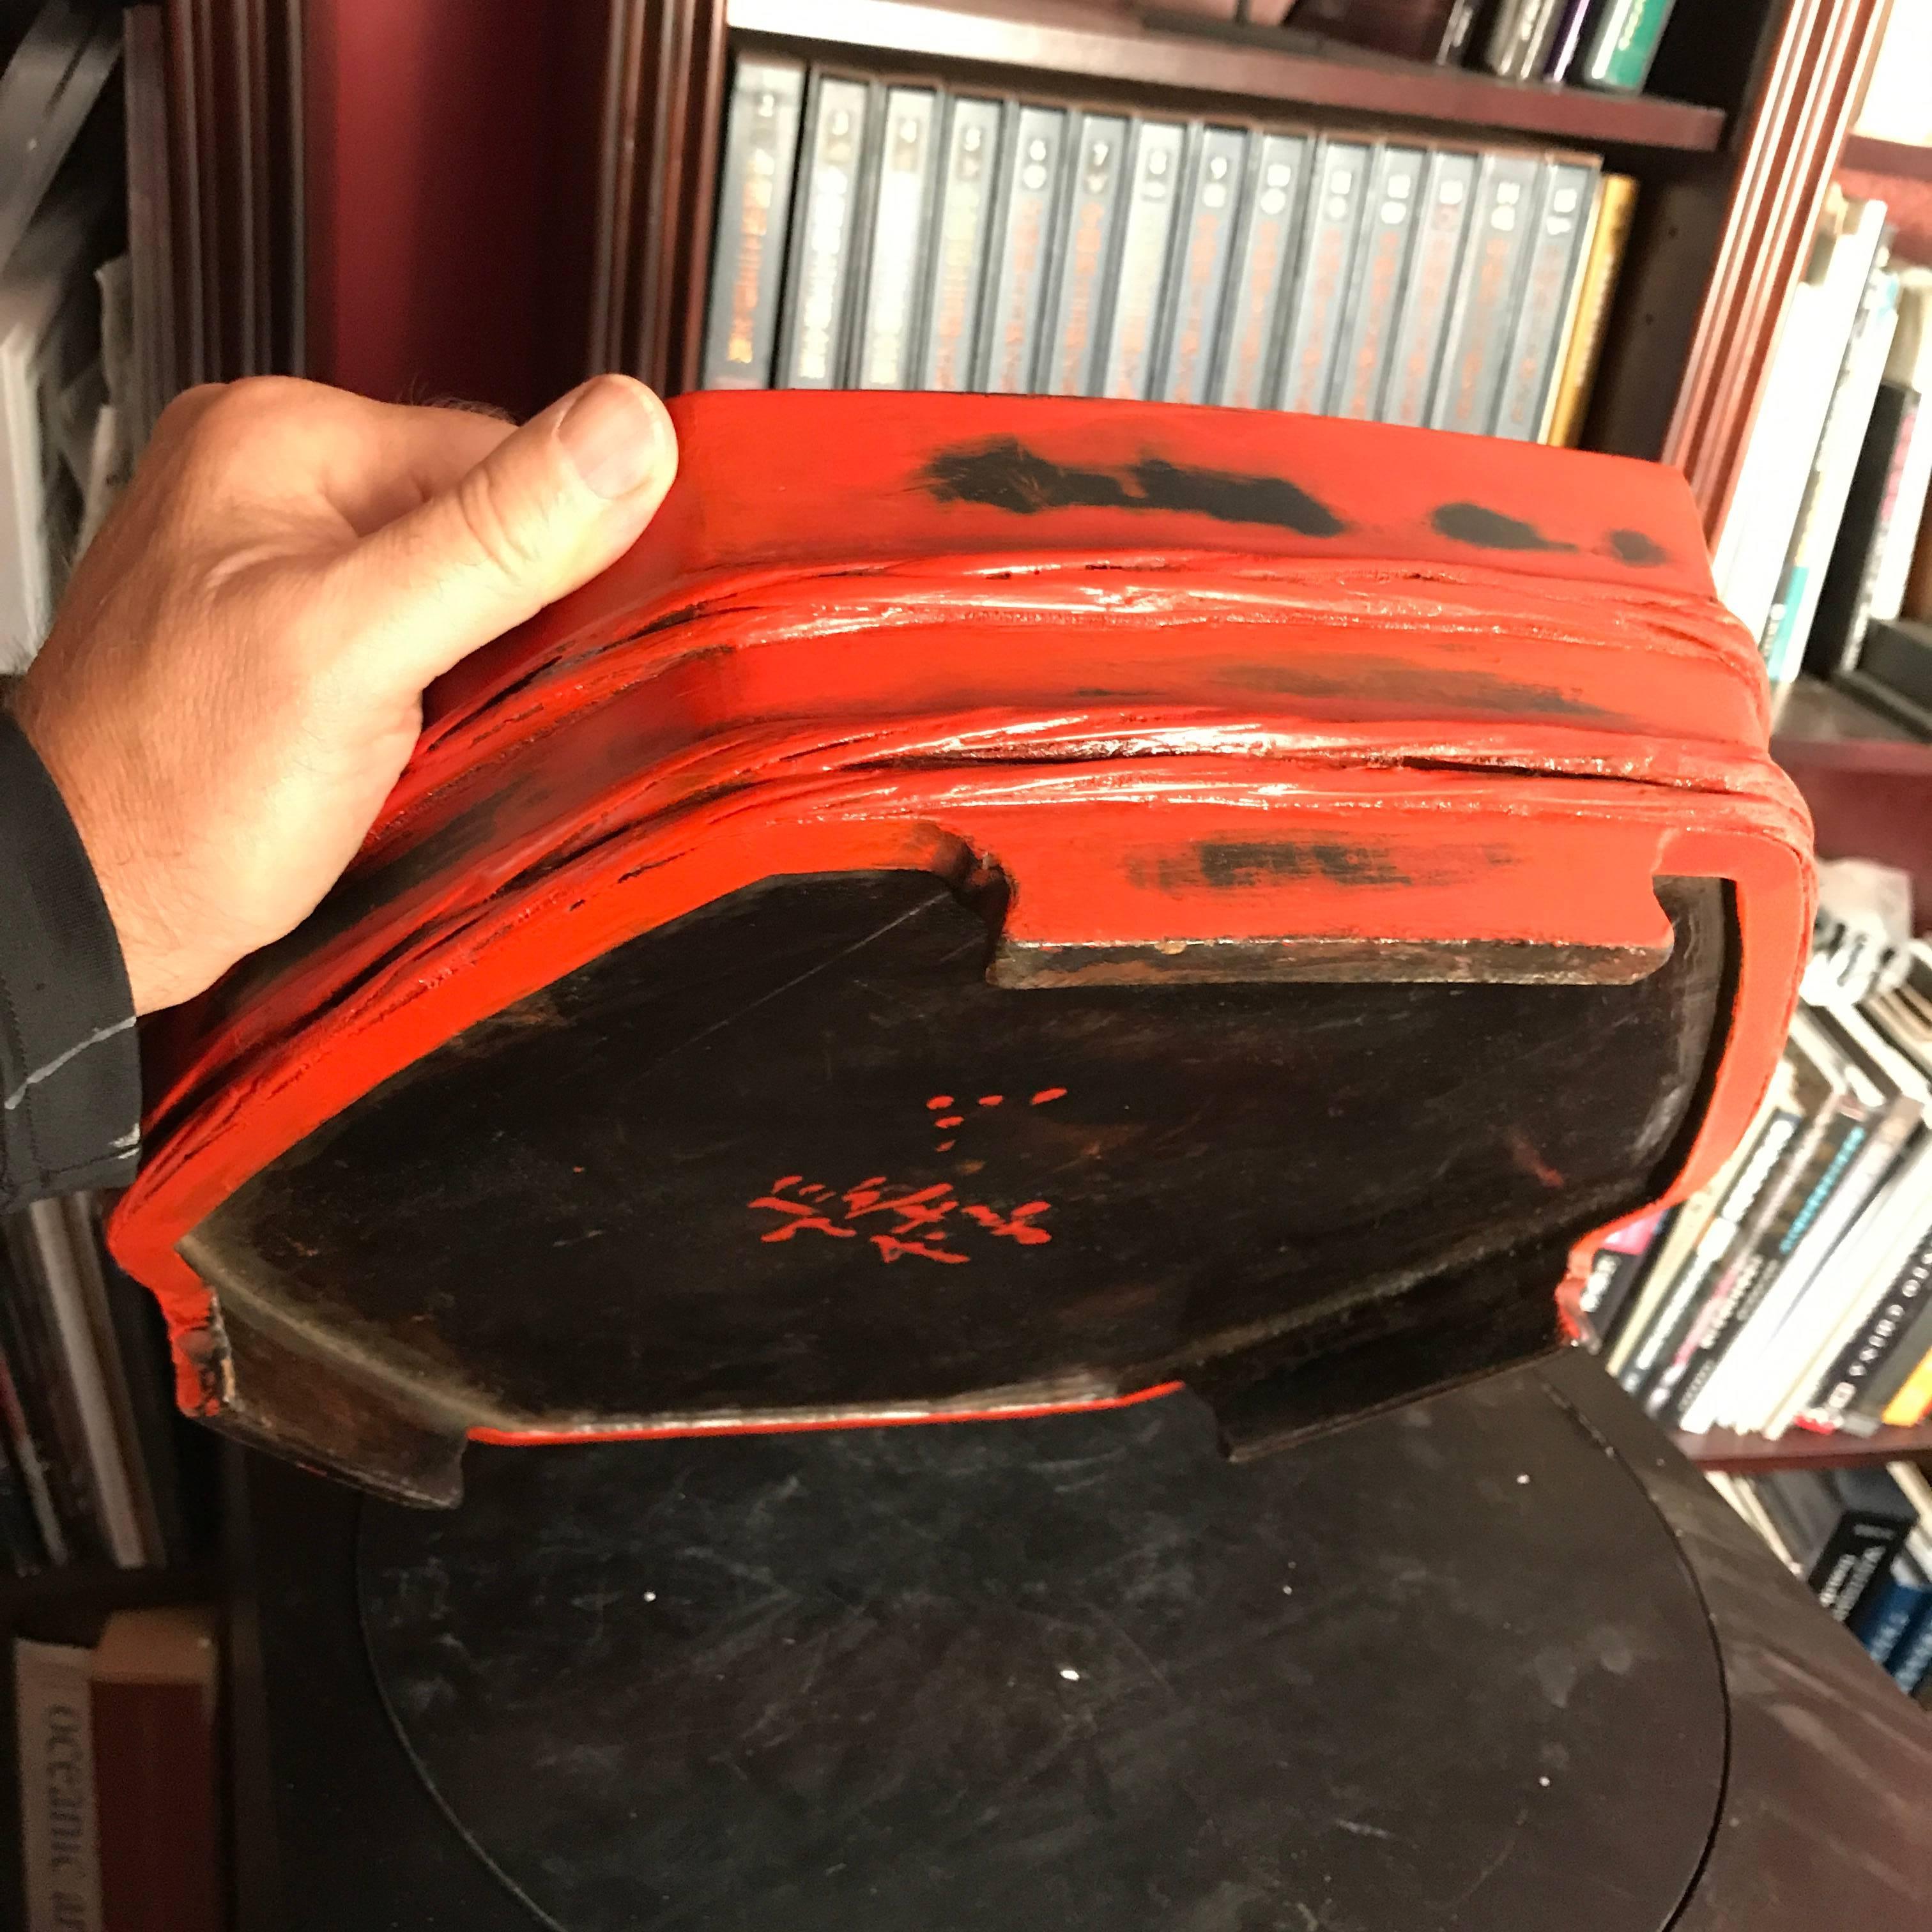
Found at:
<point>997,904</point>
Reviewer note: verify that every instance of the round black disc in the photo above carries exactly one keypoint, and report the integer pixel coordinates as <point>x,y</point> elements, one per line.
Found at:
<point>1075,1672</point>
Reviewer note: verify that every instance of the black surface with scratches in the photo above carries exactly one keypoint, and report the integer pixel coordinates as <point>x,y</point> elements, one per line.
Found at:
<point>557,1217</point>
<point>1826,1766</point>
<point>823,1681</point>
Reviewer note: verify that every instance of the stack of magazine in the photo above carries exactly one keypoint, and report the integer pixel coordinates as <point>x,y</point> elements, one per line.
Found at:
<point>1795,1290</point>
<point>899,236</point>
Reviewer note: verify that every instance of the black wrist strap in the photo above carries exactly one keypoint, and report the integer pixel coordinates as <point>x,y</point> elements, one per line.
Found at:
<point>70,1064</point>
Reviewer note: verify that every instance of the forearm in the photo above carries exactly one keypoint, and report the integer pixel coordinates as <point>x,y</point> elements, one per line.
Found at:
<point>69,1069</point>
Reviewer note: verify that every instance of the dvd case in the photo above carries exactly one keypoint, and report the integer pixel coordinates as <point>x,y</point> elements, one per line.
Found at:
<point>1374,292</point>
<point>1336,197</point>
<point>1082,254</point>
<point>1191,326</point>
<point>754,209</point>
<point>818,277</point>
<point>889,337</point>
<point>1141,257</point>
<point>1029,178</point>
<point>957,266</point>
<point>1261,274</point>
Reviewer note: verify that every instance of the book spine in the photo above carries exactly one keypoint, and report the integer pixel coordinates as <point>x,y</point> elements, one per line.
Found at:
<point>1844,600</point>
<point>1822,506</point>
<point>1706,1385</point>
<point>20,1546</point>
<point>1859,1551</point>
<point>47,1395</point>
<point>1337,189</point>
<point>1890,1321</point>
<point>157,1799</point>
<point>1476,349</point>
<point>1191,326</point>
<point>1029,177</point>
<point>1555,261</point>
<point>753,214</point>
<point>95,1375</point>
<point>1655,1370</point>
<point>955,276</point>
<point>1415,348</point>
<point>1615,1271</point>
<point>1382,263</point>
<point>1097,157</point>
<point>1907,1408</point>
<point>1890,1610</point>
<point>1624,43</point>
<point>1910,1663</point>
<point>1773,1331</point>
<point>1570,399</point>
<point>1904,516</point>
<point>1256,310</point>
<point>818,279</point>
<point>1774,1205</point>
<point>1903,1354</point>
<point>59,1845</point>
<point>888,334</point>
<point>1458,34</point>
<point>28,1459</point>
<point>1566,45</point>
<point>1140,266</point>
<point>1520,42</point>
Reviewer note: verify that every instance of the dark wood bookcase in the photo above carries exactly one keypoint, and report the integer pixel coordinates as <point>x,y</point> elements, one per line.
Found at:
<point>501,196</point>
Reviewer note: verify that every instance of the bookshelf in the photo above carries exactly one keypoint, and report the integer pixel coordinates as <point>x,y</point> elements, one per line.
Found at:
<point>1753,1455</point>
<point>1899,159</point>
<point>529,255</point>
<point>1134,56</point>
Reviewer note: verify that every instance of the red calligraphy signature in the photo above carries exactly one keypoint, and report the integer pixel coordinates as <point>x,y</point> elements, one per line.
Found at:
<point>931,1223</point>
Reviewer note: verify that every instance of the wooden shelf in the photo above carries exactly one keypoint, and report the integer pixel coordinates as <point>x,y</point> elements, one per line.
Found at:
<point>1819,725</point>
<point>1084,44</point>
<point>1899,159</point>
<point>1797,1449</point>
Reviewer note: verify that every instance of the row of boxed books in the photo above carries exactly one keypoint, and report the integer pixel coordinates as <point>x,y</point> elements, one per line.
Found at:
<point>1792,1290</point>
<point>890,236</point>
<point>1862,1539</point>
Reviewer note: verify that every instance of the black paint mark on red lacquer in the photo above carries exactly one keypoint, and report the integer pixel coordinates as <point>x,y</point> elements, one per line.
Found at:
<point>1005,475</point>
<point>1633,547</point>
<point>1490,530</point>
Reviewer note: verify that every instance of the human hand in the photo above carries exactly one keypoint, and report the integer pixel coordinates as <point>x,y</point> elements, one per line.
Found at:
<point>234,679</point>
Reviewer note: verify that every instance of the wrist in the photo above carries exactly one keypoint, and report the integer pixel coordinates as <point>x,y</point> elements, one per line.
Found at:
<point>142,951</point>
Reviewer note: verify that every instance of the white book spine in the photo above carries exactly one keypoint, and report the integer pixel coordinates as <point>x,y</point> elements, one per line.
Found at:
<point>1743,1405</point>
<point>1756,536</point>
<point>59,1849</point>
<point>1846,1296</point>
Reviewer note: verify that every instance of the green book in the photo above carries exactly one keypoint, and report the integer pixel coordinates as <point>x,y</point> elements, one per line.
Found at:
<point>1624,43</point>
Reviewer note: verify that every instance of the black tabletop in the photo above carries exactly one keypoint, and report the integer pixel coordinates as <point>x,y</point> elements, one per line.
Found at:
<point>1497,1656</point>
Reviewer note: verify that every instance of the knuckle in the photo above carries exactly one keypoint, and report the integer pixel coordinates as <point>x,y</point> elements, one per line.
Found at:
<point>506,542</point>
<point>245,410</point>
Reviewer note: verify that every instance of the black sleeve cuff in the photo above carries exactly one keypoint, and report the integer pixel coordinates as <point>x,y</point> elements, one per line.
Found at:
<point>69,1062</point>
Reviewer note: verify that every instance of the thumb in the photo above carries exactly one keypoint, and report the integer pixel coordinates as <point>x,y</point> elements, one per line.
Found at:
<point>545,511</point>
